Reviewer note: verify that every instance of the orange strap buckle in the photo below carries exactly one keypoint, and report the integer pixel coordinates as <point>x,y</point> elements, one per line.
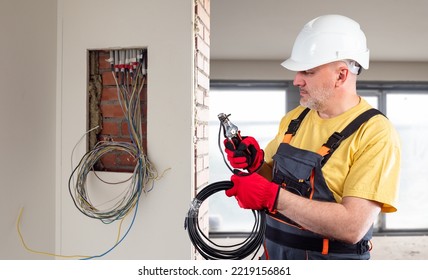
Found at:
<point>287,138</point>
<point>324,246</point>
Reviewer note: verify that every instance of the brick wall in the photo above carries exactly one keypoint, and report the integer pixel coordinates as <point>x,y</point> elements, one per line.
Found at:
<point>104,110</point>
<point>202,55</point>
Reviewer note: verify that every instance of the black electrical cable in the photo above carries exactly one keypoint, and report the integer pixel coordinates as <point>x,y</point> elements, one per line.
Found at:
<point>221,151</point>
<point>211,250</point>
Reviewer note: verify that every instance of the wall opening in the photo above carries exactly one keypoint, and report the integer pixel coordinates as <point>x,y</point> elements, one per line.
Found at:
<point>117,81</point>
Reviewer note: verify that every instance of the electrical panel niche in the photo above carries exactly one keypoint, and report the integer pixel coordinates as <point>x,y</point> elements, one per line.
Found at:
<point>117,104</point>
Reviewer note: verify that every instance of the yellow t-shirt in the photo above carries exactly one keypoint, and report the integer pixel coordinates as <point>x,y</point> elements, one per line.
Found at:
<point>365,165</point>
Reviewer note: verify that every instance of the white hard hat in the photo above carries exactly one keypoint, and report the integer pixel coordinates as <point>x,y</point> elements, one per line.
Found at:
<point>326,39</point>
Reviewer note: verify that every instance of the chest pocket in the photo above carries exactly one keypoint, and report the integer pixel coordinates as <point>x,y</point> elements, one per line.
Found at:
<point>294,169</point>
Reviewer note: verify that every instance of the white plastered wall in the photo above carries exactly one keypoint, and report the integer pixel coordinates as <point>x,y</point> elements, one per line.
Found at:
<point>27,125</point>
<point>166,29</point>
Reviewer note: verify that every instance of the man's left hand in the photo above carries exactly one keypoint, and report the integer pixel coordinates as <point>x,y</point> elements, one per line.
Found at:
<point>253,191</point>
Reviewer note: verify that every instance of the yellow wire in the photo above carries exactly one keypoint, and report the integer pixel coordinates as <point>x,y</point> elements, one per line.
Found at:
<point>18,228</point>
<point>121,221</point>
<point>163,174</point>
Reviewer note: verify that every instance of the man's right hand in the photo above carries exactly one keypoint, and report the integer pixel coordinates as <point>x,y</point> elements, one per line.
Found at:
<point>245,155</point>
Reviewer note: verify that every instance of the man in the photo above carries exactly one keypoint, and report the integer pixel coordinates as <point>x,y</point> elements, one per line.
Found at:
<point>322,185</point>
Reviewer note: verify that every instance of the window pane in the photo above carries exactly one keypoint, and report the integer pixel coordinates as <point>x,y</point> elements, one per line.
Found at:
<point>410,117</point>
<point>256,113</point>
<point>372,100</point>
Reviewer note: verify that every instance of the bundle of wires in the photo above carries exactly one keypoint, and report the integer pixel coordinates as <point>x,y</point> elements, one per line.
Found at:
<point>214,251</point>
<point>121,205</point>
<point>144,172</point>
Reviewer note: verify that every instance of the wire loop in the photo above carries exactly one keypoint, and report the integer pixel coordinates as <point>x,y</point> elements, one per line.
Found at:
<point>213,251</point>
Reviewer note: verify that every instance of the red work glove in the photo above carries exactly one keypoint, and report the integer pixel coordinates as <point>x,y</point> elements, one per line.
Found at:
<point>254,192</point>
<point>246,155</point>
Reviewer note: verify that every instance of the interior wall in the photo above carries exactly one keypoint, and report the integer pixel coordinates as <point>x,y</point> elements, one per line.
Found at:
<point>27,124</point>
<point>166,29</point>
<point>272,70</point>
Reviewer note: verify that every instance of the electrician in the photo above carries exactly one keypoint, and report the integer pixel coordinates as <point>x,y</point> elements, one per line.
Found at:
<point>323,189</point>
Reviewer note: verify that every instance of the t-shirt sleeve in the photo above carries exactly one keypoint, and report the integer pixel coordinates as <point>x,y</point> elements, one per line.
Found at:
<point>375,171</point>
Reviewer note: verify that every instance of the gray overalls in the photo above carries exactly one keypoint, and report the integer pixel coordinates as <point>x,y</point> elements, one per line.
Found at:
<point>300,172</point>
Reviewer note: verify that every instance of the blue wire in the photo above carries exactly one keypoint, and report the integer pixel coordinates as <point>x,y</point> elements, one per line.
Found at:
<point>126,233</point>
<point>130,123</point>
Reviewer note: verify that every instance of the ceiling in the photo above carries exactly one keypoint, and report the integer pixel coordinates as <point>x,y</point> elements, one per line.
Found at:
<point>266,29</point>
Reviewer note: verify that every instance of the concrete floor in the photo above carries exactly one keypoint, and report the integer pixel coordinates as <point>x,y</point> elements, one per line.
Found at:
<point>400,248</point>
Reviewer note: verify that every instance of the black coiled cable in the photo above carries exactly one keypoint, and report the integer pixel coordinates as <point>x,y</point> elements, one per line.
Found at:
<point>213,251</point>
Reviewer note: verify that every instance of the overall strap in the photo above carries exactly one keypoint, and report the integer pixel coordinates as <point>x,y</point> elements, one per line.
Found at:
<point>294,126</point>
<point>336,138</point>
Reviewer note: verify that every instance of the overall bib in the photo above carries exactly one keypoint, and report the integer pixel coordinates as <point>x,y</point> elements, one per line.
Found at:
<point>300,172</point>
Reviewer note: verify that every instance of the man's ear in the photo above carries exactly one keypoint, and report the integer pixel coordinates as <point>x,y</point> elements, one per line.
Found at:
<point>342,76</point>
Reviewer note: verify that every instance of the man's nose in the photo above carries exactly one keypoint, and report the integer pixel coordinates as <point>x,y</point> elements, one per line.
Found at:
<point>298,80</point>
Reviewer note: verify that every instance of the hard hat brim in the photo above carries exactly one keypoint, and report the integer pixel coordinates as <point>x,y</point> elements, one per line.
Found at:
<point>292,65</point>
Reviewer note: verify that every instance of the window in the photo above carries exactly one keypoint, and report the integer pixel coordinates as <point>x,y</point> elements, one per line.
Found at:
<point>257,113</point>
<point>407,110</point>
<point>257,109</point>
